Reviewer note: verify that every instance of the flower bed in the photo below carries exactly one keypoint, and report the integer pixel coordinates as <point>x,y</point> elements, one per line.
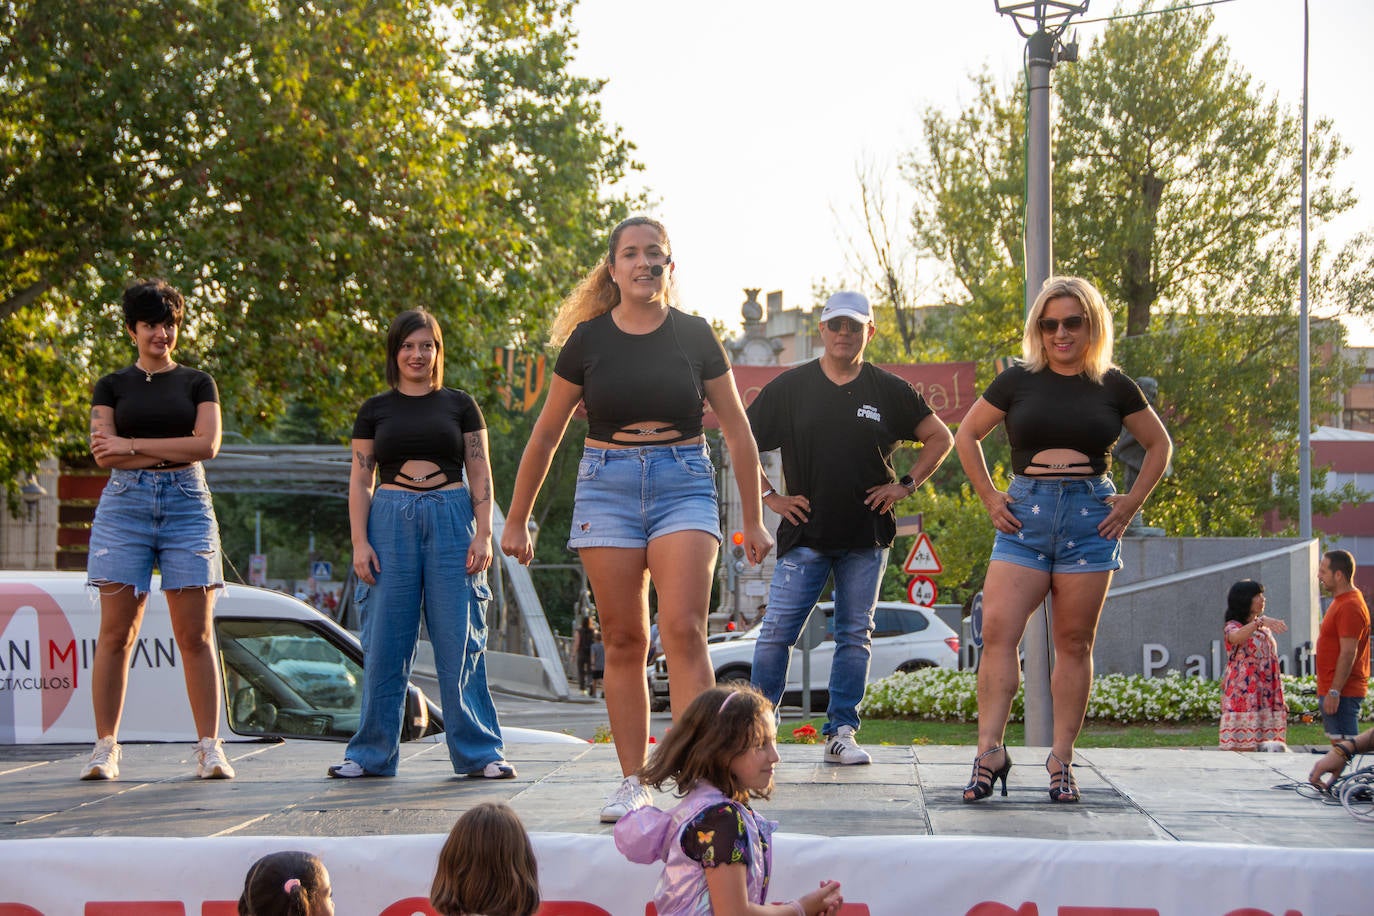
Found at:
<point>941,693</point>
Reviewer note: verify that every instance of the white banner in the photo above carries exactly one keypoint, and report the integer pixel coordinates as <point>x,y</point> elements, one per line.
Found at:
<point>583,875</point>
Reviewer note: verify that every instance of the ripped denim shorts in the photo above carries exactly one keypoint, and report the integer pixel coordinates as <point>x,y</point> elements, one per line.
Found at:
<point>155,519</point>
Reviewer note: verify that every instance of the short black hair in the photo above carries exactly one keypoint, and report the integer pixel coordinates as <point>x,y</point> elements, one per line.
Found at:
<point>154,301</point>
<point>1343,562</point>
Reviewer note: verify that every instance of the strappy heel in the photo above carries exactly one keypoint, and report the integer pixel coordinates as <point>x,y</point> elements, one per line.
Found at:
<point>985,778</point>
<point>1063,789</point>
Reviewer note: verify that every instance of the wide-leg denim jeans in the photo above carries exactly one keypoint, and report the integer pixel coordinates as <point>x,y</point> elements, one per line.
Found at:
<point>421,541</point>
<point>798,578</point>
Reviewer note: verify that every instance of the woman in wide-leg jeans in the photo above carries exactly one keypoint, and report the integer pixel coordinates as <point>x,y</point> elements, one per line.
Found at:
<point>422,544</point>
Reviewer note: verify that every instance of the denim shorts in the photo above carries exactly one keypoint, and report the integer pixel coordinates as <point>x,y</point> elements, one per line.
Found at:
<point>161,519</point>
<point>1346,722</point>
<point>1059,520</point>
<point>626,497</point>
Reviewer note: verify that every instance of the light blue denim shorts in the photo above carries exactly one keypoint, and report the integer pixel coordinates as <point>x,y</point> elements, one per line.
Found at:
<point>626,497</point>
<point>162,519</point>
<point>1059,520</point>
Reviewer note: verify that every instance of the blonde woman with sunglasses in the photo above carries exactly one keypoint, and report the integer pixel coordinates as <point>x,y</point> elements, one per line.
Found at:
<point>1059,523</point>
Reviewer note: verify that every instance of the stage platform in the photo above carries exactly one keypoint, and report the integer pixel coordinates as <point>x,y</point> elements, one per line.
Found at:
<point>1186,795</point>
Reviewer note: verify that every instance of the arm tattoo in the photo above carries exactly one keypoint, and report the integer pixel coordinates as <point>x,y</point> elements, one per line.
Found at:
<point>484,496</point>
<point>365,461</point>
<point>475,445</point>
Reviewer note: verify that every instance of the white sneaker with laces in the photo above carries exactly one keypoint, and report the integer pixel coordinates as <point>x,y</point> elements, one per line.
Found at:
<point>629,796</point>
<point>210,760</point>
<point>842,748</point>
<point>104,762</point>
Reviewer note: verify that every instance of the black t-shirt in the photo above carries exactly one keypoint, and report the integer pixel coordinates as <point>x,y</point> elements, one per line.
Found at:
<point>429,427</point>
<point>837,442</point>
<point>630,378</point>
<point>163,407</point>
<point>1047,410</point>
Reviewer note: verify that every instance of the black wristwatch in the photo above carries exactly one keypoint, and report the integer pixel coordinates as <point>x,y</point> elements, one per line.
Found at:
<point>909,482</point>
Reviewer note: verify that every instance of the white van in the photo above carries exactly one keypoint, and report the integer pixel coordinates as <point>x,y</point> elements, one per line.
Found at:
<point>289,671</point>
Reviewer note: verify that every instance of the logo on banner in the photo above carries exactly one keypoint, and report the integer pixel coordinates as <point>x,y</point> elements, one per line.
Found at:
<point>922,559</point>
<point>54,652</point>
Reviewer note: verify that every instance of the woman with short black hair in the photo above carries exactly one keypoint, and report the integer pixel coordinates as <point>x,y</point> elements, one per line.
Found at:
<point>152,424</point>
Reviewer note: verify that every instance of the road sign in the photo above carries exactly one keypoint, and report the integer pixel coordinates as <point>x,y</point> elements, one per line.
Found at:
<point>322,570</point>
<point>922,591</point>
<point>257,569</point>
<point>922,558</point>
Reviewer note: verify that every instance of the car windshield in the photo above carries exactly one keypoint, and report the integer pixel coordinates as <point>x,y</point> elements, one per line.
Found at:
<point>284,678</point>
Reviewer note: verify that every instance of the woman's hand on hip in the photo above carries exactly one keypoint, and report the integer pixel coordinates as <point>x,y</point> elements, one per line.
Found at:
<point>365,563</point>
<point>999,510</point>
<point>479,554</point>
<point>516,542</point>
<point>1123,509</point>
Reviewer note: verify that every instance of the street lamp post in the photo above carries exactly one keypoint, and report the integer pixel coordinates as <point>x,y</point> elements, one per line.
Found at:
<point>1041,23</point>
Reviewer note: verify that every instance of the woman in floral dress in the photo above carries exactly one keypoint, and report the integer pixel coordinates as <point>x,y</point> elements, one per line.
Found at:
<point>1252,707</point>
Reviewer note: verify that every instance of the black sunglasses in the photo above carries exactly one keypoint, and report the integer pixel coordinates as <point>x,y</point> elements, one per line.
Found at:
<point>1072,323</point>
<point>838,324</point>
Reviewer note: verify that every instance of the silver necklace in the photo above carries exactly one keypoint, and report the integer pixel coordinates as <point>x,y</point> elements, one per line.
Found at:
<point>149,373</point>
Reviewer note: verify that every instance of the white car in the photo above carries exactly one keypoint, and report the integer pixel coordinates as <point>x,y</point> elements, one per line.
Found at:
<point>288,671</point>
<point>906,637</point>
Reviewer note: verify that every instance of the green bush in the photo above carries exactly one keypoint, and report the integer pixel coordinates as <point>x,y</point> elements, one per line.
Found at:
<point>945,694</point>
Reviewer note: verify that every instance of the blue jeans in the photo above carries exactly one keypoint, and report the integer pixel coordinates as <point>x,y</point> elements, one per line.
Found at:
<point>421,541</point>
<point>798,578</point>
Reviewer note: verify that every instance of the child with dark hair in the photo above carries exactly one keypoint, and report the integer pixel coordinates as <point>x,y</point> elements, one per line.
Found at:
<point>717,850</point>
<point>287,883</point>
<point>487,866</point>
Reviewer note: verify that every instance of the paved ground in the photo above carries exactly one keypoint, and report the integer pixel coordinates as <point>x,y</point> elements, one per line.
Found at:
<point>1197,795</point>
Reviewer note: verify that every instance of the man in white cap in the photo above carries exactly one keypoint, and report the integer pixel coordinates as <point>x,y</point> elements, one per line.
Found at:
<point>837,421</point>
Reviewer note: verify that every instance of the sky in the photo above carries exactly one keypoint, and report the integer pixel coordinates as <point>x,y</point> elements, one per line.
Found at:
<point>752,118</point>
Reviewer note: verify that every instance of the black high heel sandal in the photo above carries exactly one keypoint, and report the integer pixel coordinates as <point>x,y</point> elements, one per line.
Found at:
<point>984,777</point>
<point>1063,789</point>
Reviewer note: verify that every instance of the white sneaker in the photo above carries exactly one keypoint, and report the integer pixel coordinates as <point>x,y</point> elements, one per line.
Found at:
<point>346,770</point>
<point>628,797</point>
<point>104,762</point>
<point>497,769</point>
<point>842,748</point>
<point>210,760</point>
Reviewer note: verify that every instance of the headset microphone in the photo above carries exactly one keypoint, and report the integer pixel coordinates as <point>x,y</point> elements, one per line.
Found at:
<point>657,269</point>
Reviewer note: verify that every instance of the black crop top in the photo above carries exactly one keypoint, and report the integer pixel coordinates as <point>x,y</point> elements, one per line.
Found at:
<point>163,407</point>
<point>1046,410</point>
<point>630,378</point>
<point>429,427</point>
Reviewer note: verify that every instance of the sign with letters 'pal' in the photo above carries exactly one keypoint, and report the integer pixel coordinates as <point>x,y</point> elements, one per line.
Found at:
<point>922,560</point>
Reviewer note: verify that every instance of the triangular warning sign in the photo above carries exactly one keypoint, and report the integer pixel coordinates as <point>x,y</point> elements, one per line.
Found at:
<point>922,558</point>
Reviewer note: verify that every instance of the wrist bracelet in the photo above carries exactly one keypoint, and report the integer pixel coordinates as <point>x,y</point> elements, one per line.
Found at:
<point>796,905</point>
<point>1348,755</point>
<point>766,493</point>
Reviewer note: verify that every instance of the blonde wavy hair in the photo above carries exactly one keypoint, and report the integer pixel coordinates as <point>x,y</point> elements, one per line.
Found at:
<point>1098,357</point>
<point>597,293</point>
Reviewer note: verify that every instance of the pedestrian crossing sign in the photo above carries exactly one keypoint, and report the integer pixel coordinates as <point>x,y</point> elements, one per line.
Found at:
<point>922,558</point>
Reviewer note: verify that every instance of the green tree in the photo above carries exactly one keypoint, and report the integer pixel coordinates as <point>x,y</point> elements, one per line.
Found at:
<point>302,172</point>
<point>1176,193</point>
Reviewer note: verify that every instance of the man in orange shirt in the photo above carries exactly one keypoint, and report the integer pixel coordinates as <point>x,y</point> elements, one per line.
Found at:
<point>1342,647</point>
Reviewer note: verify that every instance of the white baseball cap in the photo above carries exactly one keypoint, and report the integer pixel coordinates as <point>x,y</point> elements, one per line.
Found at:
<point>847,305</point>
